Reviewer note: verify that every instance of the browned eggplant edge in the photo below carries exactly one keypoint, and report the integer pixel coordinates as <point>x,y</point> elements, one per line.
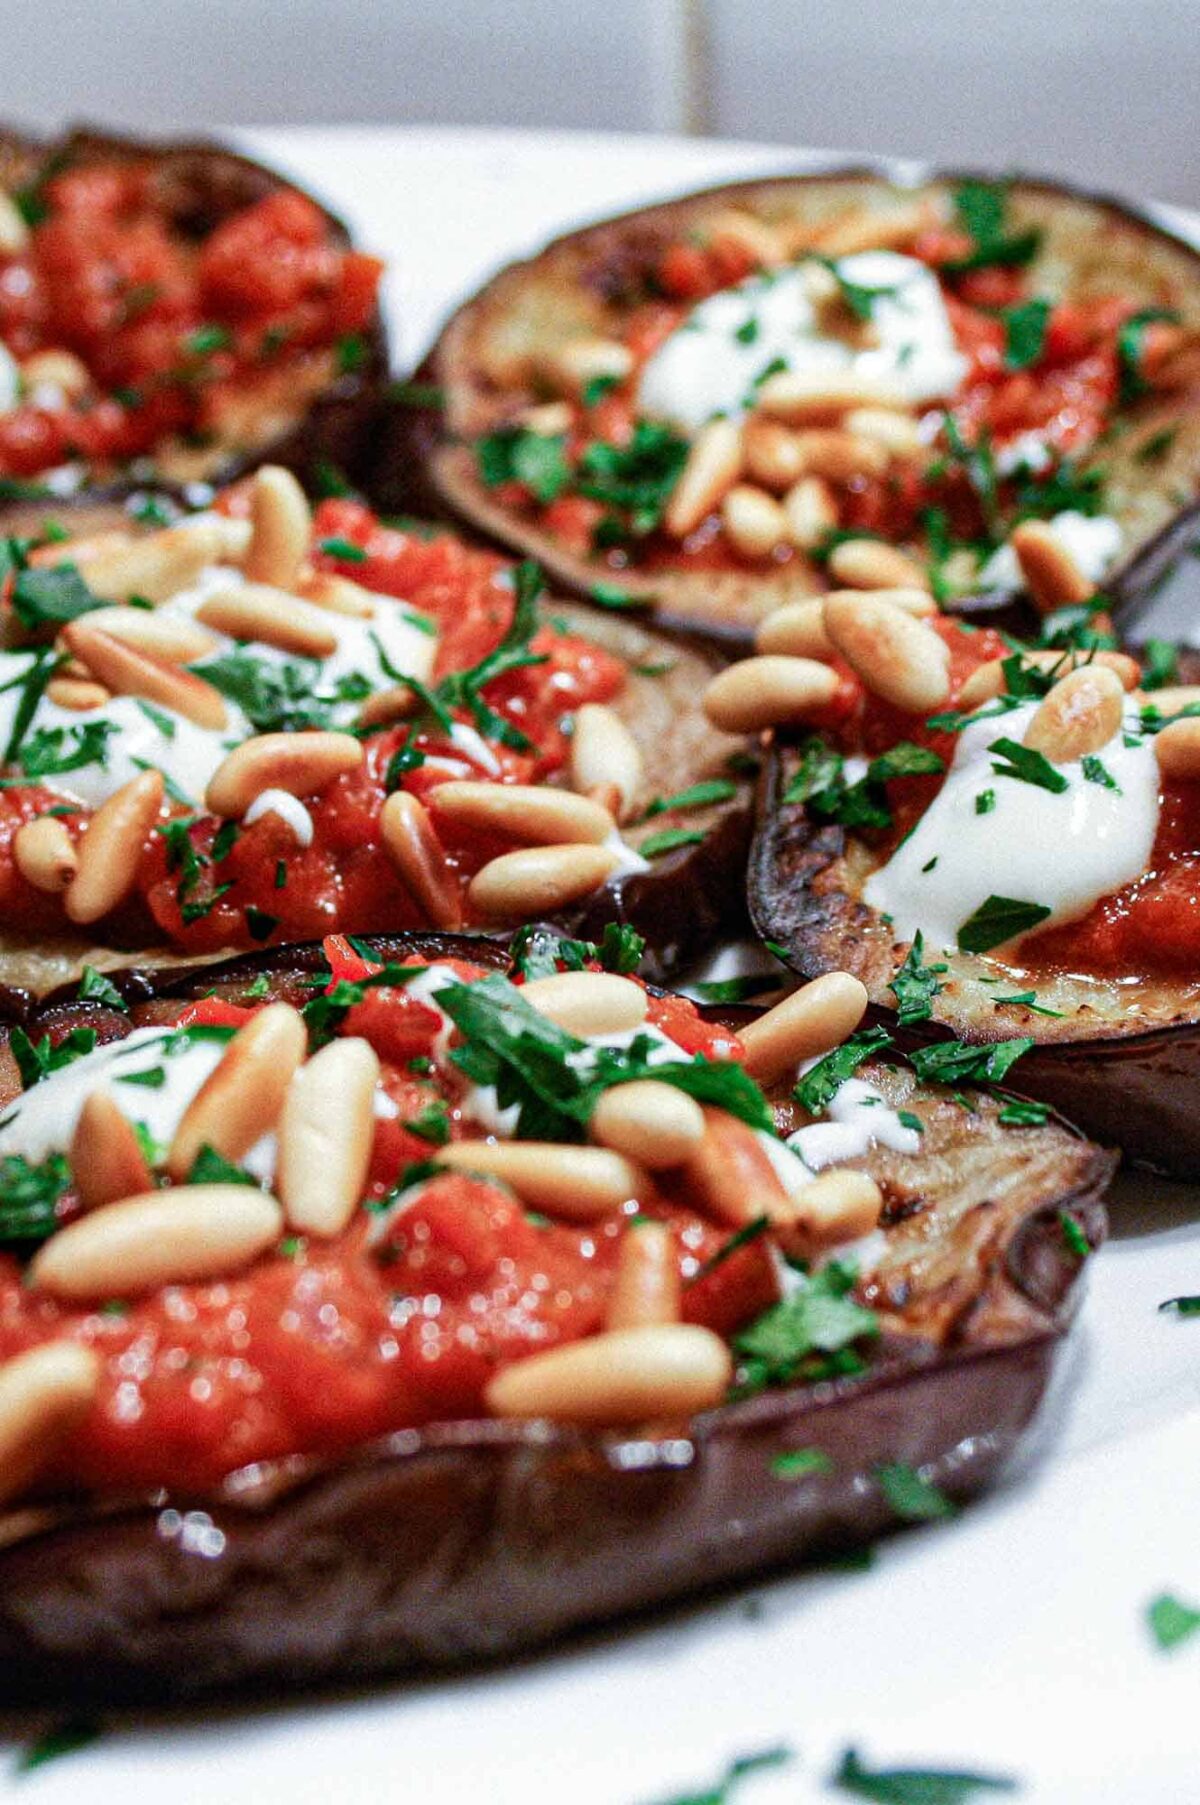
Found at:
<point>1139,1089</point>
<point>469,1542</point>
<point>406,475</point>
<point>340,428</point>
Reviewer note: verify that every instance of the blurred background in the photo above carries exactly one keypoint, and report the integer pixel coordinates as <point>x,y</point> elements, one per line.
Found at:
<point>1100,91</point>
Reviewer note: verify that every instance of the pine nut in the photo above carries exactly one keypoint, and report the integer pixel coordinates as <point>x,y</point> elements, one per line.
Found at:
<point>773,455</point>
<point>128,672</point>
<point>898,432</point>
<point>868,564</point>
<point>837,1207</point>
<point>755,236</point>
<point>161,564</point>
<point>896,656</point>
<point>78,693</point>
<point>1170,700</point>
<point>44,1394</point>
<point>839,456</point>
<point>625,1376</point>
<point>811,512</point>
<point>603,751</point>
<point>524,812</point>
<point>713,465</point>
<point>326,1133</point>
<point>539,879</point>
<point>339,595</point>
<point>173,1237</point>
<point>257,611</point>
<point>1050,573</point>
<point>110,851</point>
<point>768,692</point>
<point>987,680</point>
<point>730,1175</point>
<point>797,630</point>
<point>648,1121</point>
<point>170,637</point>
<point>572,365</point>
<point>58,369</point>
<point>281,526</point>
<point>45,855</point>
<point>241,1098</point>
<point>1177,748</point>
<point>549,419</point>
<point>812,1021</point>
<point>14,233</point>
<point>574,1183</point>
<point>420,860</point>
<point>863,229</point>
<point>753,521</point>
<point>303,763</point>
<point>647,1289</point>
<point>1078,716</point>
<point>388,705</point>
<point>818,398</point>
<point>584,1003</point>
<point>107,1161</point>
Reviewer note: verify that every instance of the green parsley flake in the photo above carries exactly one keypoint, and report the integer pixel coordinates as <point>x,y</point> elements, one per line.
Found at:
<point>914,1499</point>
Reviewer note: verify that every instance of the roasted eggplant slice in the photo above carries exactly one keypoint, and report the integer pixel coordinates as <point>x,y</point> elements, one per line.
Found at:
<point>471,1538</point>
<point>293,664</point>
<point>178,314</point>
<point>698,402</point>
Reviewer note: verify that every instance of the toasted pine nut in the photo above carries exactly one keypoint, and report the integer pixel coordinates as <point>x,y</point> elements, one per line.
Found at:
<point>129,672</point>
<point>755,236</point>
<point>575,1183</point>
<point>731,1177</point>
<point>326,1133</point>
<point>106,1157</point>
<point>648,1121</point>
<point>1051,575</point>
<point>838,1206</point>
<point>797,630</point>
<point>525,812</point>
<point>14,233</point>
<point>538,880</point>
<point>110,851</point>
<point>820,398</point>
<point>811,512</point>
<point>603,751</point>
<point>280,528</point>
<point>753,521</point>
<point>172,637</point>
<point>768,692</point>
<point>588,1002</point>
<point>713,465</point>
<point>45,855</point>
<point>898,432</point>
<point>549,419</point>
<point>79,693</point>
<point>812,1021</point>
<point>1171,699</point>
<point>1177,748</point>
<point>161,564</point>
<point>339,595</point>
<point>647,1288</point>
<point>897,656</point>
<point>420,860</point>
<point>387,705</point>
<point>869,564</point>
<point>1080,714</point>
<point>773,454</point>
<point>241,1098</point>
<point>256,611</point>
<point>303,763</point>
<point>625,1376</point>
<point>158,1238</point>
<point>60,370</point>
<point>572,365</point>
<point>44,1394</point>
<point>987,680</point>
<point>840,456</point>
<point>1181,370</point>
<point>873,229</point>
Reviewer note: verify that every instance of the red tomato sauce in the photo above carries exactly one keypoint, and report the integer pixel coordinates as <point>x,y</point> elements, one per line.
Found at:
<point>325,1344</point>
<point>166,326</point>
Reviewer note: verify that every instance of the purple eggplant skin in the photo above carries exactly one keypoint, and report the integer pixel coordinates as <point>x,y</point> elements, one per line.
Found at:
<point>422,463</point>
<point>468,1542</point>
<point>203,182</point>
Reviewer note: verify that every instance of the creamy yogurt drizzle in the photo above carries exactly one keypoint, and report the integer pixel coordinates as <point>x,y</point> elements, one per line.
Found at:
<point>711,363</point>
<point>1064,851</point>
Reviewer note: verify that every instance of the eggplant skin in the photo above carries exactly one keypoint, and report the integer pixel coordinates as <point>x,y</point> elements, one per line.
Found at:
<point>201,182</point>
<point>470,1542</point>
<point>1092,244</point>
<point>1119,1077</point>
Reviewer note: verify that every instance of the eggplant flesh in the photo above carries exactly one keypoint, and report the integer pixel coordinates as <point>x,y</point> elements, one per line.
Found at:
<point>331,419</point>
<point>1091,246</point>
<point>463,1542</point>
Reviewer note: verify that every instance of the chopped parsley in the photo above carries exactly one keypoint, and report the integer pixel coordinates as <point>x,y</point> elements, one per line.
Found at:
<point>211,1168</point>
<point>1182,1306</point>
<point>911,1497</point>
<point>998,919</point>
<point>38,1059</point>
<point>801,1463</point>
<point>432,1125</point>
<point>733,990</point>
<point>1131,344</point>
<point>955,1062</point>
<point>819,781</point>
<point>65,1737</point>
<point>915,1785</point>
<point>1027,766</point>
<point>29,1197</point>
<point>813,1334</point>
<point>1160,663</point>
<point>915,985</point>
<point>1171,1621</point>
<point>656,846</point>
<point>52,751</point>
<point>94,987</point>
<point>1096,771</point>
<point>981,209</point>
<point>721,1792</point>
<point>51,596</point>
<point>697,795</point>
<point>819,1086</point>
<point>1024,333</point>
<point>634,482</point>
<point>1074,1239</point>
<point>515,454</point>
